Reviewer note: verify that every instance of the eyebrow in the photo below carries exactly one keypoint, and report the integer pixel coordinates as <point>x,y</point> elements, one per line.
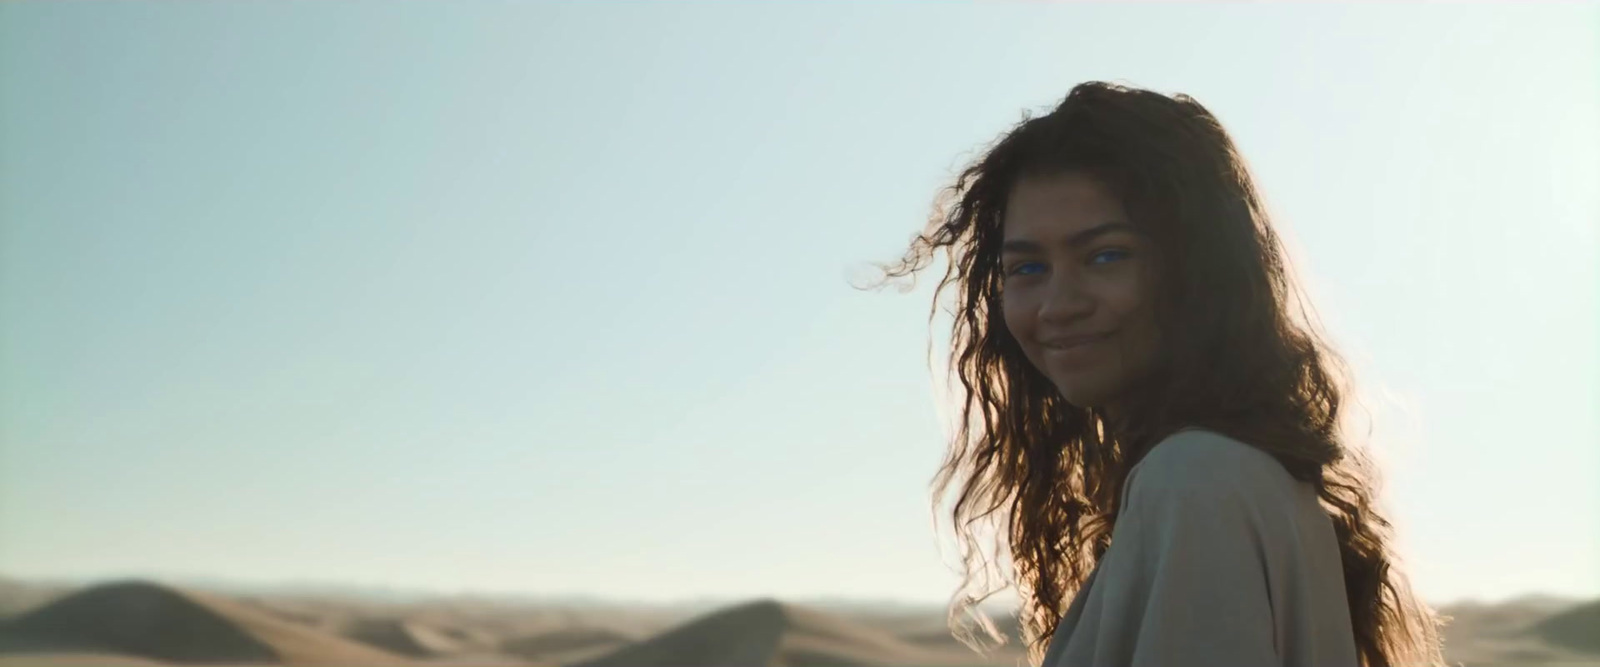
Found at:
<point>1078,239</point>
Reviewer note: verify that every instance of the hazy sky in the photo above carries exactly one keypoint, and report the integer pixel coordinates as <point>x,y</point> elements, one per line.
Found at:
<point>554,298</point>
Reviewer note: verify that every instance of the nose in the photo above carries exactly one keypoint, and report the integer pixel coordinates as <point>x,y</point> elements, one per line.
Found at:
<point>1065,302</point>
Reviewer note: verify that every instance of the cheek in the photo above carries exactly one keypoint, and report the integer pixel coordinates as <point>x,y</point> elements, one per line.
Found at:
<point>1134,303</point>
<point>1129,298</point>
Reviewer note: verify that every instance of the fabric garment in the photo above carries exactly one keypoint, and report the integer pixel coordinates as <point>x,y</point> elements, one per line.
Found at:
<point>1218,558</point>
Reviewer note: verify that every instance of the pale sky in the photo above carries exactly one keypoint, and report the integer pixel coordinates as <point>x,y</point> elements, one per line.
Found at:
<point>553,298</point>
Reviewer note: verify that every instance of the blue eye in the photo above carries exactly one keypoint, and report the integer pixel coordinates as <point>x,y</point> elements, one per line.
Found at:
<point>1018,269</point>
<point>1105,256</point>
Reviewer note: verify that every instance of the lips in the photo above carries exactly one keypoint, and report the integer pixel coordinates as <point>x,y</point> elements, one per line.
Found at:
<point>1059,343</point>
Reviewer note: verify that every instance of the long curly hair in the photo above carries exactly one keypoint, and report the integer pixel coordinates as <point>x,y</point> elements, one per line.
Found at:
<point>1249,363</point>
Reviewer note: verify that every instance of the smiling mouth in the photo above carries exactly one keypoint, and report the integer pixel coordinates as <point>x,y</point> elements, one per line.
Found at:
<point>1072,342</point>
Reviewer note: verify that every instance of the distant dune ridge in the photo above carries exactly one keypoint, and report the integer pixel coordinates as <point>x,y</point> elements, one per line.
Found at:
<point>567,645</point>
<point>408,637</point>
<point>768,632</point>
<point>1576,629</point>
<point>17,596</point>
<point>136,623</point>
<point>56,659</point>
<point>153,622</point>
<point>1527,632</point>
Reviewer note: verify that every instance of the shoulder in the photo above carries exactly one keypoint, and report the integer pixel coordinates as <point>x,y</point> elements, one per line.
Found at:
<point>1200,465</point>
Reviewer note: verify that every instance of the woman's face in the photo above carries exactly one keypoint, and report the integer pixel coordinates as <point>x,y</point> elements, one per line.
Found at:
<point>1079,287</point>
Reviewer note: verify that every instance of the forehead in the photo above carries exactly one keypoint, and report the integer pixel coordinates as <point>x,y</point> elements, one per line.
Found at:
<point>1054,206</point>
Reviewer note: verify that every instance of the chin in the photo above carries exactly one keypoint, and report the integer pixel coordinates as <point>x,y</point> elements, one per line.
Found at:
<point>1083,394</point>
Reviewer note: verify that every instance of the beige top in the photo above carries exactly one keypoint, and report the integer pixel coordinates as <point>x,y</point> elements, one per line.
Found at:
<point>1219,557</point>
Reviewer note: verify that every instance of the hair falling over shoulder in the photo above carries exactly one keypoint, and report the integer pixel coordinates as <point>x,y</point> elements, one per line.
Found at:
<point>1046,475</point>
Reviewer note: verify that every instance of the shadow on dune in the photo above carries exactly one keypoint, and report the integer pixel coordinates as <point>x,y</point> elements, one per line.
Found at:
<point>767,632</point>
<point>567,645</point>
<point>1576,629</point>
<point>142,620</point>
<point>412,638</point>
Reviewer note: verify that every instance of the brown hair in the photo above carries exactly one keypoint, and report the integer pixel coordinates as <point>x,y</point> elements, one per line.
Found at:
<point>1249,364</point>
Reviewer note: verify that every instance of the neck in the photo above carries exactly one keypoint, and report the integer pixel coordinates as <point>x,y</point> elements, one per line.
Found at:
<point>1113,418</point>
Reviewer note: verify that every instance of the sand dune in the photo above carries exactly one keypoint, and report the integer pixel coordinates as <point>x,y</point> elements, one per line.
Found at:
<point>567,645</point>
<point>134,623</point>
<point>1576,629</point>
<point>767,632</point>
<point>17,597</point>
<point>73,660</point>
<point>482,660</point>
<point>329,617</point>
<point>148,621</point>
<point>933,631</point>
<point>1511,634</point>
<point>407,637</point>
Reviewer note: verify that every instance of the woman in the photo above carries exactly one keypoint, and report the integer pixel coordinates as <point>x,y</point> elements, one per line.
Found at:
<point>1149,407</point>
